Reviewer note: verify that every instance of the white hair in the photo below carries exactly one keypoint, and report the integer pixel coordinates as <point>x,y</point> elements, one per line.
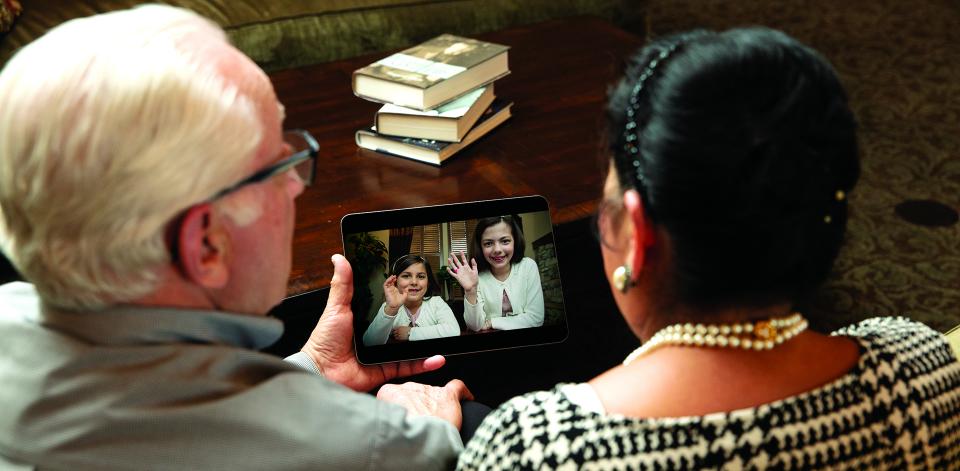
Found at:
<point>110,126</point>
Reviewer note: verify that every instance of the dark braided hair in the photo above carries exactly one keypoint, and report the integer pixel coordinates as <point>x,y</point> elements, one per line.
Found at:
<point>743,148</point>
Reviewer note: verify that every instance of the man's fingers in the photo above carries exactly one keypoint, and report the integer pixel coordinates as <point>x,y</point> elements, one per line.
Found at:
<point>459,389</point>
<point>403,369</point>
<point>341,285</point>
<point>414,367</point>
<point>434,362</point>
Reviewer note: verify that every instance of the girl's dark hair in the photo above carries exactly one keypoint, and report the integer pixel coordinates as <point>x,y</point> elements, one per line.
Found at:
<point>743,148</point>
<point>402,263</point>
<point>519,243</point>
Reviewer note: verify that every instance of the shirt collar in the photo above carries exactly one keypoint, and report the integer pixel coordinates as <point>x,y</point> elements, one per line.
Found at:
<point>123,325</point>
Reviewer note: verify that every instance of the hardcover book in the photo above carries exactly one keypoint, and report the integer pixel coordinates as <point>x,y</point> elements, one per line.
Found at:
<point>449,122</point>
<point>432,73</point>
<point>431,151</point>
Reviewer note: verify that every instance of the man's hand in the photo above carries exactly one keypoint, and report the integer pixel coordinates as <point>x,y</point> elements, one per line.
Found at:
<point>331,343</point>
<point>420,399</point>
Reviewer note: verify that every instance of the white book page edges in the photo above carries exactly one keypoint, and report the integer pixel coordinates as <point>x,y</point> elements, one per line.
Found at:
<point>454,109</point>
<point>433,70</point>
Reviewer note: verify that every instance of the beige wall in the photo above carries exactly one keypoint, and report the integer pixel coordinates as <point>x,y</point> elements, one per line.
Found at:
<point>535,226</point>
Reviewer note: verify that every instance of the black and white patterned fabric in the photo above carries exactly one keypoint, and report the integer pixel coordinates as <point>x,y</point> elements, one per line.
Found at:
<point>898,409</point>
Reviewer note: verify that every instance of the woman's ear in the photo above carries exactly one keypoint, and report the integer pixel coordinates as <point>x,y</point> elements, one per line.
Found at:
<point>202,245</point>
<point>643,234</point>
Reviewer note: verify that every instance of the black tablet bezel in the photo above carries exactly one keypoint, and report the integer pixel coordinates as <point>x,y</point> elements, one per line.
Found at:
<point>406,217</point>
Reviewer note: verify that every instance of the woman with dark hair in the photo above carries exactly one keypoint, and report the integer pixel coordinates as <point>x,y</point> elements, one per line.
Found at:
<point>501,288</point>
<point>411,310</point>
<point>732,157</point>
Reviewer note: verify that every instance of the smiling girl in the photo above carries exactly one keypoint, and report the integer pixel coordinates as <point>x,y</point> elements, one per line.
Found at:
<point>411,311</point>
<point>502,288</point>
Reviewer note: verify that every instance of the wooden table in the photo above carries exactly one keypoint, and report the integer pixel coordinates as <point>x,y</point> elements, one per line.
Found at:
<point>551,147</point>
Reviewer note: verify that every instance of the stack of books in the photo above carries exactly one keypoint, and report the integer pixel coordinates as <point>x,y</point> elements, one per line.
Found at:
<point>438,97</point>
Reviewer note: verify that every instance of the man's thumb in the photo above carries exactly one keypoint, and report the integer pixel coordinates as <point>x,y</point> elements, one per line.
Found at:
<point>341,285</point>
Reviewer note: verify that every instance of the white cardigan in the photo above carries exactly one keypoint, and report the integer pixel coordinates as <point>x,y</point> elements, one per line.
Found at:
<point>525,293</point>
<point>435,320</point>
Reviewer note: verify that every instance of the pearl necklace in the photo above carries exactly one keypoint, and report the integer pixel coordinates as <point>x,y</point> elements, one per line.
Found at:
<point>759,335</point>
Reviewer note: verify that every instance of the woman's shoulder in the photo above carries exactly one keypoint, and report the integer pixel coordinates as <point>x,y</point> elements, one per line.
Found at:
<point>902,355</point>
<point>902,338</point>
<point>914,373</point>
<point>886,327</point>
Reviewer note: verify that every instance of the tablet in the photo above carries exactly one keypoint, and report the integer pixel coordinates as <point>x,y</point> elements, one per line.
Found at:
<point>513,299</point>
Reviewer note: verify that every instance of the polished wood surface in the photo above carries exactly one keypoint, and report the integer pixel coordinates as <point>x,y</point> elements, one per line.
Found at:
<point>560,71</point>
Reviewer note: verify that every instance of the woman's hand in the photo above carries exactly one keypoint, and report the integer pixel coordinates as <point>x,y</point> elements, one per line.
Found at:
<point>392,296</point>
<point>402,333</point>
<point>465,274</point>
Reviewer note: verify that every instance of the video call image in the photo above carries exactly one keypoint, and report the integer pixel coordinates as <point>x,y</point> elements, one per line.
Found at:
<point>472,277</point>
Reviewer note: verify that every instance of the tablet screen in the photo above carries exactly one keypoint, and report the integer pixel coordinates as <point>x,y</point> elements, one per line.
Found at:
<point>414,297</point>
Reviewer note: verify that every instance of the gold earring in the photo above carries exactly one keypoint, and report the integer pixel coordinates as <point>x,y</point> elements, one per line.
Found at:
<point>621,278</point>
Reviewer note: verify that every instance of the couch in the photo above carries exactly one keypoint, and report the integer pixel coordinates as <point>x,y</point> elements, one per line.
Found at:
<point>280,34</point>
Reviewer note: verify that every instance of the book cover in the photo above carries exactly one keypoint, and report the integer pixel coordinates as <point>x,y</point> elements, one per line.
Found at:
<point>432,73</point>
<point>449,122</point>
<point>432,151</point>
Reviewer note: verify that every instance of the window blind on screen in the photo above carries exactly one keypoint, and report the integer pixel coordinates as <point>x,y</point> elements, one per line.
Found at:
<point>426,243</point>
<point>460,233</point>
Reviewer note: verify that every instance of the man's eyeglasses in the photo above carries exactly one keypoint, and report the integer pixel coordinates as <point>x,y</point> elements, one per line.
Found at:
<point>605,221</point>
<point>303,161</point>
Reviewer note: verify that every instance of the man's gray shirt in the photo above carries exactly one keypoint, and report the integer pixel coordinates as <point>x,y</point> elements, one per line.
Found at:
<point>155,388</point>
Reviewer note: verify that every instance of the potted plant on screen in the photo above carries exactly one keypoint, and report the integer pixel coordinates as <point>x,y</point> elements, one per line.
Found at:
<point>368,256</point>
<point>448,282</point>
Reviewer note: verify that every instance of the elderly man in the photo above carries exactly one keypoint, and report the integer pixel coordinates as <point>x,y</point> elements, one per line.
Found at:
<point>147,192</point>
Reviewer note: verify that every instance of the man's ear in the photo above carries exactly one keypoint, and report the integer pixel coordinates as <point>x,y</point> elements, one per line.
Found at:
<point>643,235</point>
<point>202,248</point>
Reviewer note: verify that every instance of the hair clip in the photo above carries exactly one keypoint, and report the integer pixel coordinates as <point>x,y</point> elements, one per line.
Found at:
<point>631,141</point>
<point>409,255</point>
